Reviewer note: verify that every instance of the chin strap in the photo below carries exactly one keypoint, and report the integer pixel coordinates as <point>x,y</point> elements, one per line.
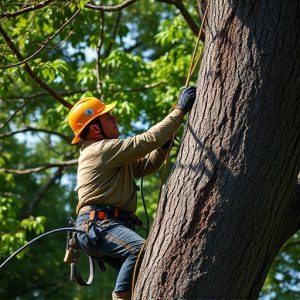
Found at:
<point>101,128</point>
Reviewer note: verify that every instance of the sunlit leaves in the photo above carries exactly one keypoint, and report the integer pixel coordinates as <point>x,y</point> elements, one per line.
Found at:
<point>13,232</point>
<point>33,224</point>
<point>86,76</point>
<point>171,31</point>
<point>50,71</point>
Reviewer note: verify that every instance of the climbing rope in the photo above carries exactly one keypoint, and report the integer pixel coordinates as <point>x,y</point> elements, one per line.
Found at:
<point>194,62</point>
<point>74,273</point>
<point>191,70</point>
<point>69,229</point>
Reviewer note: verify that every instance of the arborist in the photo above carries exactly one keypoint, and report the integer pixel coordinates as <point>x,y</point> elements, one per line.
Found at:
<point>107,192</point>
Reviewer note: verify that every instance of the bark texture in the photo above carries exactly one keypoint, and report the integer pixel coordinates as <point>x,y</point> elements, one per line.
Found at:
<point>230,203</point>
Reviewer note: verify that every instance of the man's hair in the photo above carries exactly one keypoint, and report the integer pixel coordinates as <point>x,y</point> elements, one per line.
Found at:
<point>84,133</point>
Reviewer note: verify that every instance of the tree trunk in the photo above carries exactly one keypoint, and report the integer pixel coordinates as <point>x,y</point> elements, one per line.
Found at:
<point>229,204</point>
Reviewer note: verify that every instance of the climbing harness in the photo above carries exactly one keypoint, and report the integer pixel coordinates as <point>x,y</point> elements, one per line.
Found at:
<point>72,256</point>
<point>104,212</point>
<point>97,212</point>
<point>73,249</point>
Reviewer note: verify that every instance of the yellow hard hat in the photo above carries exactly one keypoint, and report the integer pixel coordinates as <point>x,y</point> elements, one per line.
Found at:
<point>83,112</point>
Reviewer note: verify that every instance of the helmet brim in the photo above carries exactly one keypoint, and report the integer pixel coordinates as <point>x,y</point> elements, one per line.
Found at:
<point>107,108</point>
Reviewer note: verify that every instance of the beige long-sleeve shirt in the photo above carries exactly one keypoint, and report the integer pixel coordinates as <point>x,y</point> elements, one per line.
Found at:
<point>107,168</point>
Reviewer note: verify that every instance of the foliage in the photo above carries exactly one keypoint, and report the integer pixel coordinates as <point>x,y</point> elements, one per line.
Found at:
<point>14,231</point>
<point>144,57</point>
<point>283,279</point>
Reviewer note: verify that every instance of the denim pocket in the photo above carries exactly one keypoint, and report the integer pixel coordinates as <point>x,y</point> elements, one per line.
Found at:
<point>88,245</point>
<point>97,229</point>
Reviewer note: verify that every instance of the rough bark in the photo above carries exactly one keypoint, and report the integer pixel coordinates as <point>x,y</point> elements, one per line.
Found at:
<point>229,204</point>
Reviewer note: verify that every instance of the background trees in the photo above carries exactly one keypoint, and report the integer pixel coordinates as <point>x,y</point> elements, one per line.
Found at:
<point>53,53</point>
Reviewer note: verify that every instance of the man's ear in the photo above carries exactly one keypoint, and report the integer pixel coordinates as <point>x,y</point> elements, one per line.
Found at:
<point>95,128</point>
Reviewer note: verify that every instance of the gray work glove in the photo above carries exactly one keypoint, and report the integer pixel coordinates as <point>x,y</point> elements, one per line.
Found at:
<point>186,98</point>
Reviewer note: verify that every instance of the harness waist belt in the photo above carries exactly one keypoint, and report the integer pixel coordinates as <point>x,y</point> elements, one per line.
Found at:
<point>103,212</point>
<point>100,211</point>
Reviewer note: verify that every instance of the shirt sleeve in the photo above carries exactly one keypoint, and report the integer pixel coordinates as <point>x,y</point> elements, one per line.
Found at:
<point>150,163</point>
<point>130,150</point>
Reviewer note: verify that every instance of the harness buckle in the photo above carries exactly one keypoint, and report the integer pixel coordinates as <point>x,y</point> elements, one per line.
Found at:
<point>97,214</point>
<point>92,214</point>
<point>102,215</point>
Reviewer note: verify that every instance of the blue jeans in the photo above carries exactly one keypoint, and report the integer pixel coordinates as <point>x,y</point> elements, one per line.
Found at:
<point>115,243</point>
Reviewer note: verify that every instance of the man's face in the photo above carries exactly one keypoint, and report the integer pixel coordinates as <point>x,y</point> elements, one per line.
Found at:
<point>109,125</point>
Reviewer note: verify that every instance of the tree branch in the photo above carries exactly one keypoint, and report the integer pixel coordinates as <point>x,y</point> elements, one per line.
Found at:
<point>29,128</point>
<point>27,9</point>
<point>110,8</point>
<point>14,113</point>
<point>40,194</point>
<point>40,94</point>
<point>68,163</point>
<point>61,42</point>
<point>109,47</point>
<point>34,76</point>
<point>145,87</point>
<point>44,44</point>
<point>186,15</point>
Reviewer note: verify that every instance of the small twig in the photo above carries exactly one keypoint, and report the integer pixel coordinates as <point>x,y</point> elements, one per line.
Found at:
<point>68,163</point>
<point>14,113</point>
<point>112,7</point>
<point>44,44</point>
<point>26,9</point>
<point>109,47</point>
<point>47,144</point>
<point>41,94</point>
<point>61,42</point>
<point>186,15</point>
<point>40,194</point>
<point>145,87</point>
<point>33,129</point>
<point>33,75</point>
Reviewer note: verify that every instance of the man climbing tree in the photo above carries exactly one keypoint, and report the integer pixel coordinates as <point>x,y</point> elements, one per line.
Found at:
<point>106,185</point>
<point>230,202</point>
